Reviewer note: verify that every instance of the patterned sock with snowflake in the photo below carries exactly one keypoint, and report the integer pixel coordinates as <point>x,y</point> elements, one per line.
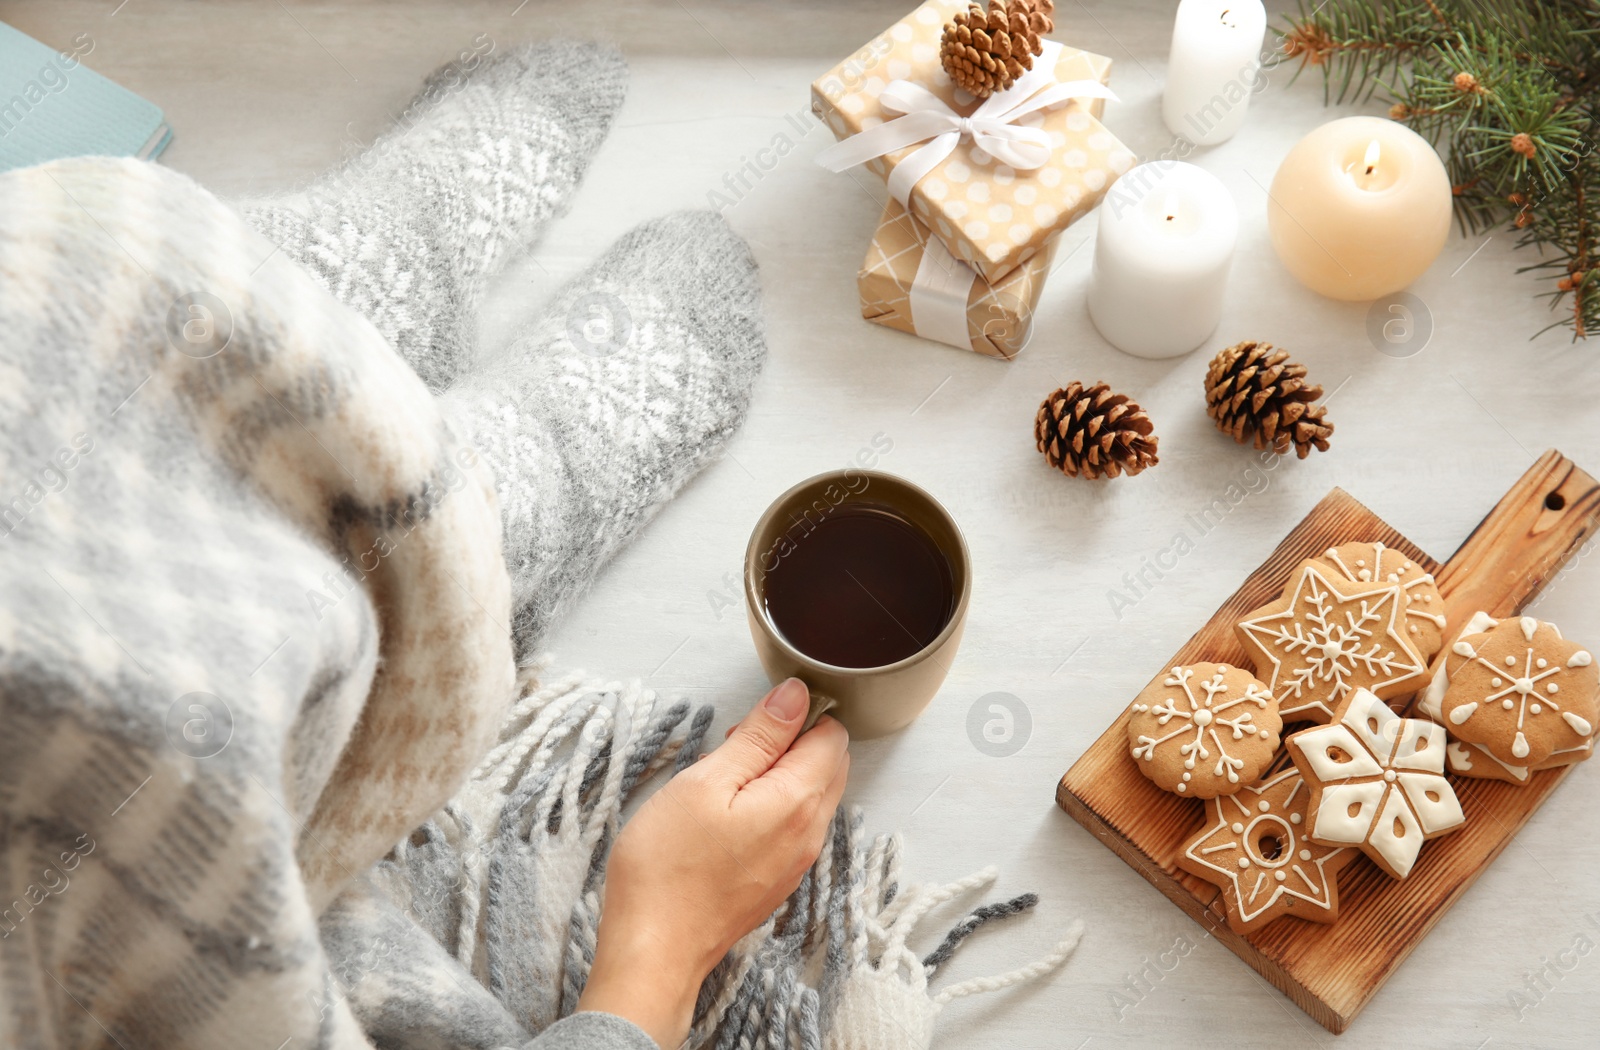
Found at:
<point>491,148</point>
<point>639,371</point>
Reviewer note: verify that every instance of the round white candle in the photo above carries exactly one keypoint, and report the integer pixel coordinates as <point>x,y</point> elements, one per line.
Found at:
<point>1359,208</point>
<point>1161,256</point>
<point>1213,68</point>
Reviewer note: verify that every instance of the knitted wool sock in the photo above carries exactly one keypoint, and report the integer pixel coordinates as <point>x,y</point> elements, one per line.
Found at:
<point>490,149</point>
<point>640,370</point>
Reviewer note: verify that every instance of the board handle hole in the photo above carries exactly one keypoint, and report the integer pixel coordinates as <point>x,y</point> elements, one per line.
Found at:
<point>1555,501</point>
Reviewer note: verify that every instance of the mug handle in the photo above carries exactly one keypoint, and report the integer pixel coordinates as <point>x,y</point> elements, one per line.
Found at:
<point>820,705</point>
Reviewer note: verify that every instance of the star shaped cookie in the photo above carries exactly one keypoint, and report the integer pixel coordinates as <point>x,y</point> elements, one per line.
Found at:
<point>1255,847</point>
<point>1328,637</point>
<point>1377,782</point>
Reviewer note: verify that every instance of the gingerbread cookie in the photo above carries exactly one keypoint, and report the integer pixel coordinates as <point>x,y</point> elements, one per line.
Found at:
<point>1470,760</point>
<point>1254,846</point>
<point>1420,600</point>
<point>1377,782</point>
<point>1521,692</point>
<point>1204,730</point>
<point>1327,637</point>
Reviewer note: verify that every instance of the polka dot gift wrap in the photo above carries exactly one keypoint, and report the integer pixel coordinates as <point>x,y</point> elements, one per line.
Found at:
<point>991,216</point>
<point>999,316</point>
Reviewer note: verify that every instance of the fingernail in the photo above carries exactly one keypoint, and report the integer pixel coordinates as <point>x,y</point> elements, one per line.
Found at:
<point>702,756</point>
<point>788,702</point>
<point>731,728</point>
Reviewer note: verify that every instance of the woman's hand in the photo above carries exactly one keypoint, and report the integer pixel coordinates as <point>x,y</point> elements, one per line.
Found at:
<point>711,855</point>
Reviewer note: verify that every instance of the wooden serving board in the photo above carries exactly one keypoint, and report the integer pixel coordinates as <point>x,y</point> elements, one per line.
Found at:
<point>1331,971</point>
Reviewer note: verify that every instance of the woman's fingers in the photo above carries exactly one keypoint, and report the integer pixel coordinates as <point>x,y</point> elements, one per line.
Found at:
<point>765,734</point>
<point>808,769</point>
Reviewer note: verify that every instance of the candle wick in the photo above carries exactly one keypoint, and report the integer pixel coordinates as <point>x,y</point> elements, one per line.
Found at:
<point>1370,168</point>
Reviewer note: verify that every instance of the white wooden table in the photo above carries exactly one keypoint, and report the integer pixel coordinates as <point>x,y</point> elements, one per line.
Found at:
<point>262,95</point>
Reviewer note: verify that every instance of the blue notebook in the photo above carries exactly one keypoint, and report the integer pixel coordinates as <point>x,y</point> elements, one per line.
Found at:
<point>52,105</point>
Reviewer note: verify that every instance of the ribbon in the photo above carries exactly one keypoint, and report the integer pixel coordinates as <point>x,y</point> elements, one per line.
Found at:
<point>938,297</point>
<point>991,127</point>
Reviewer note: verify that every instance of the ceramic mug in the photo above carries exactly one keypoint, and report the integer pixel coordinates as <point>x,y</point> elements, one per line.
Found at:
<point>870,701</point>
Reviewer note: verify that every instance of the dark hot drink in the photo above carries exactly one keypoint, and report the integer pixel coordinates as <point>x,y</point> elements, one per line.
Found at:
<point>862,587</point>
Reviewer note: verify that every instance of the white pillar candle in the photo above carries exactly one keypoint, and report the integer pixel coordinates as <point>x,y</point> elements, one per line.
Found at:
<point>1161,256</point>
<point>1359,208</point>
<point>1213,68</point>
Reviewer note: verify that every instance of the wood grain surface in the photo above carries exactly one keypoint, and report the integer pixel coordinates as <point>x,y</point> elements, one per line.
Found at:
<point>1332,971</point>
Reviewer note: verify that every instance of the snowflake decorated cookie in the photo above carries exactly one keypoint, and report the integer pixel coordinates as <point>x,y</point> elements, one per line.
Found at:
<point>1254,847</point>
<point>1204,730</point>
<point>1521,693</point>
<point>1421,604</point>
<point>1329,636</point>
<point>1377,782</point>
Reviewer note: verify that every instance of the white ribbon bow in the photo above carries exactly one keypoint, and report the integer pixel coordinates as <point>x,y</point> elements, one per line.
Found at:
<point>992,126</point>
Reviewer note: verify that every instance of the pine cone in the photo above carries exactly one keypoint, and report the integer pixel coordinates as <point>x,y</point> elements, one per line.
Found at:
<point>1094,432</point>
<point>985,52</point>
<point>1253,389</point>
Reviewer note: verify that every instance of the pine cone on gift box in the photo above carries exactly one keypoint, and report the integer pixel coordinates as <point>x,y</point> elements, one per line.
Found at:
<point>985,51</point>
<point>1255,391</point>
<point>1094,432</point>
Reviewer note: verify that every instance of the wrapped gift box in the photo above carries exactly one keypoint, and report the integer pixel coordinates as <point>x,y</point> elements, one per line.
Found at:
<point>909,281</point>
<point>990,215</point>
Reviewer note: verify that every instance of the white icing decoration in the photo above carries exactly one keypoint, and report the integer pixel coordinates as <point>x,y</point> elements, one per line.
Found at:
<point>1436,806</point>
<point>1326,643</point>
<point>1462,713</point>
<point>1461,760</point>
<point>1463,649</point>
<point>1334,820</point>
<point>1579,659</point>
<point>1396,835</point>
<point>1315,745</point>
<point>1529,626</point>
<point>1579,725</point>
<point>1519,745</point>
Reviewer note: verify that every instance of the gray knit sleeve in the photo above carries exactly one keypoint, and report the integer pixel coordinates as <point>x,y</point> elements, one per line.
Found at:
<point>593,1031</point>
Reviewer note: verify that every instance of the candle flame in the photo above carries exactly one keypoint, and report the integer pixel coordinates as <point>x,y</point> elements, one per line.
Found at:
<point>1170,208</point>
<point>1370,161</point>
